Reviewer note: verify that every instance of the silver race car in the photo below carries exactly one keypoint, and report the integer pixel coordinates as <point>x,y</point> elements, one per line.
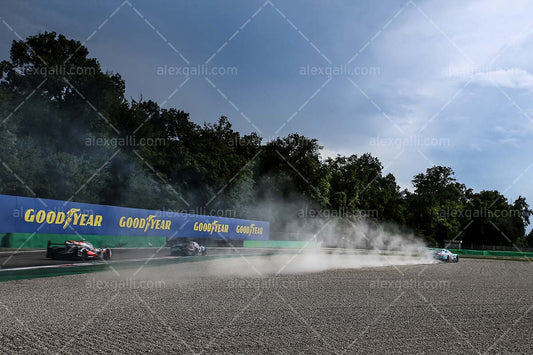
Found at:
<point>188,249</point>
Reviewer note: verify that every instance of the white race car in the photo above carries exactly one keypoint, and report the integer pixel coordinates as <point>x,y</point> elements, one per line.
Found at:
<point>445,255</point>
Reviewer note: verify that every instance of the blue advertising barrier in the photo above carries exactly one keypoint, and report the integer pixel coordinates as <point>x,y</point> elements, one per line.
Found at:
<point>35,215</point>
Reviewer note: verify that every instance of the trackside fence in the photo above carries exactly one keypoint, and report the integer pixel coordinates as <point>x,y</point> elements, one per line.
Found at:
<point>522,254</point>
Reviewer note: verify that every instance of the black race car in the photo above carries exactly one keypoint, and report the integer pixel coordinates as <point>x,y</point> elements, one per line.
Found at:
<point>188,249</point>
<point>77,250</point>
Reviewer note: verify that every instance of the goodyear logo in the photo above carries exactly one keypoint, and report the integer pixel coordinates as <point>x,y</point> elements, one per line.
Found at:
<point>213,227</point>
<point>249,230</point>
<point>71,217</point>
<point>145,223</point>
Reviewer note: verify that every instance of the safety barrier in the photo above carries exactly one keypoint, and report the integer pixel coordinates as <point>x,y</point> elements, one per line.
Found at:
<point>493,253</point>
<point>26,220</point>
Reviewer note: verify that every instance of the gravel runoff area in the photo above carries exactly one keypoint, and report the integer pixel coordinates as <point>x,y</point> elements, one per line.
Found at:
<point>224,306</point>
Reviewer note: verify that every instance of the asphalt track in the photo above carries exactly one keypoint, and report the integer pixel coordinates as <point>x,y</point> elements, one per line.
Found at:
<point>21,258</point>
<point>239,305</point>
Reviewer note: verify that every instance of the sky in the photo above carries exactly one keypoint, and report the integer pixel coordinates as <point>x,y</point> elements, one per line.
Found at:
<point>416,83</point>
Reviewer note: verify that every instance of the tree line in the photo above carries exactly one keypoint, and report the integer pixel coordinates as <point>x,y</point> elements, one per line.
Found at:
<point>69,133</point>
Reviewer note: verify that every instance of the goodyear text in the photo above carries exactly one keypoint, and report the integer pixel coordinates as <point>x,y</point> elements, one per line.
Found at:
<point>145,223</point>
<point>213,227</point>
<point>249,230</point>
<point>71,217</point>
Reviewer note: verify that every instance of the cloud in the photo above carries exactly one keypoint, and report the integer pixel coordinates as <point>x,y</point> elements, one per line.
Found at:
<point>513,78</point>
<point>510,141</point>
<point>425,54</point>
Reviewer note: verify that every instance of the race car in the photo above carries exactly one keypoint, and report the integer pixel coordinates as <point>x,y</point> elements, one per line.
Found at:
<point>77,250</point>
<point>188,249</point>
<point>445,255</point>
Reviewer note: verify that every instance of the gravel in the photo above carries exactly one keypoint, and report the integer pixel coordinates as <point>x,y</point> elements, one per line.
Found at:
<point>225,306</point>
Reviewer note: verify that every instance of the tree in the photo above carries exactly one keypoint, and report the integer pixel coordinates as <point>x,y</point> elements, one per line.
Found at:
<point>359,188</point>
<point>529,239</point>
<point>58,101</point>
<point>435,204</point>
<point>296,157</point>
<point>493,221</point>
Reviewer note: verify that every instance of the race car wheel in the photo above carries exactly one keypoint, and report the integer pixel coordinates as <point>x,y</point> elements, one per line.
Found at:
<point>83,255</point>
<point>107,254</point>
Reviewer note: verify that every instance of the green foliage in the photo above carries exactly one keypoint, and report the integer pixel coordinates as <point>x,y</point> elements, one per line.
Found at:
<point>436,195</point>
<point>58,104</point>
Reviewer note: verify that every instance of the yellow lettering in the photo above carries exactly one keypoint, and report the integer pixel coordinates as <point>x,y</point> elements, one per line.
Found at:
<point>29,216</point>
<point>76,219</point>
<point>40,216</point>
<point>72,216</point>
<point>50,217</point>
<point>70,213</point>
<point>60,217</point>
